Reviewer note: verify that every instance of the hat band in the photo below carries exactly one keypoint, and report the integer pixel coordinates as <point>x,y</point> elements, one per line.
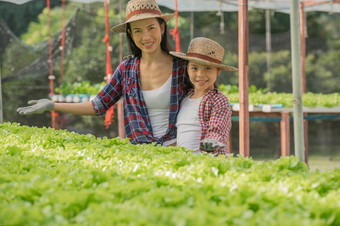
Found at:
<point>140,11</point>
<point>204,57</point>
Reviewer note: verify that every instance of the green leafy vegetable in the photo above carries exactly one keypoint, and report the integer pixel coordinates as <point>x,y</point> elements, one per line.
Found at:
<point>56,177</point>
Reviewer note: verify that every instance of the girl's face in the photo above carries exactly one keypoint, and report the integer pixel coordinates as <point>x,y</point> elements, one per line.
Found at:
<point>147,34</point>
<point>203,77</point>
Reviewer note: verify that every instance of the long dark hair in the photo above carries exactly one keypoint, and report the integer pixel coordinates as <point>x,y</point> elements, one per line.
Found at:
<point>136,52</point>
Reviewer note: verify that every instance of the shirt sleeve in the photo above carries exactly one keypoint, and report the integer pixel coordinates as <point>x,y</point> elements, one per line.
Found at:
<point>111,92</point>
<point>220,120</point>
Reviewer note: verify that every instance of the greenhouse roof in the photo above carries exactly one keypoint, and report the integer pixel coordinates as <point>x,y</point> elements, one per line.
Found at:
<point>231,5</point>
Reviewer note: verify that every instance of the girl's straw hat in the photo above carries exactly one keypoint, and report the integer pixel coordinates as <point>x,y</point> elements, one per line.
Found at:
<point>205,51</point>
<point>139,10</point>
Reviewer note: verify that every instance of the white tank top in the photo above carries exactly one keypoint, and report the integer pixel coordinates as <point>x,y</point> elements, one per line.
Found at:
<point>188,124</point>
<point>158,103</point>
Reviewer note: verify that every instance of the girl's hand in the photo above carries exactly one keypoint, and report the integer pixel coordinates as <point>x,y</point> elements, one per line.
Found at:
<point>210,145</point>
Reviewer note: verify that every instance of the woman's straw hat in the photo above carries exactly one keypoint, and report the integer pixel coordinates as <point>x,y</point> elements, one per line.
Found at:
<point>205,51</point>
<point>139,10</point>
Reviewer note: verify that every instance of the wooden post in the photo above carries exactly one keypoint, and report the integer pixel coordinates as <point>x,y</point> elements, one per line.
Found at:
<point>229,145</point>
<point>120,34</point>
<point>243,44</point>
<point>120,111</point>
<point>302,46</point>
<point>120,115</point>
<point>55,119</point>
<point>1,107</point>
<point>303,36</point>
<point>285,134</point>
<point>305,129</point>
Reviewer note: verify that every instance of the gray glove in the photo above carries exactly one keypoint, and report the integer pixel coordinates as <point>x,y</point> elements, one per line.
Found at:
<point>37,107</point>
<point>211,145</point>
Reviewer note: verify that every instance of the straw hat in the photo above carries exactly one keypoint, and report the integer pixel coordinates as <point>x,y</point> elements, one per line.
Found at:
<point>139,10</point>
<point>205,51</point>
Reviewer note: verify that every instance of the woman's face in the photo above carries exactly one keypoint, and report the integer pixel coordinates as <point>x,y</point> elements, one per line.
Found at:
<point>147,34</point>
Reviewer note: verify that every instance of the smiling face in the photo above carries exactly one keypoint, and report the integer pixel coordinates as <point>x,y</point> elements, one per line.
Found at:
<point>203,77</point>
<point>147,34</point>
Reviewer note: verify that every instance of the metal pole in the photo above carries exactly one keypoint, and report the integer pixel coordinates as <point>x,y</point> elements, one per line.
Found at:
<point>1,108</point>
<point>297,80</point>
<point>191,25</point>
<point>268,46</point>
<point>243,44</point>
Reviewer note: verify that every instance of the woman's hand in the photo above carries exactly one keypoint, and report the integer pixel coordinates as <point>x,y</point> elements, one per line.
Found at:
<point>37,107</point>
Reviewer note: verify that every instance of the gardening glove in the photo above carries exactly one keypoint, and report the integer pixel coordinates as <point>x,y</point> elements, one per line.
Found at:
<point>37,107</point>
<point>211,145</point>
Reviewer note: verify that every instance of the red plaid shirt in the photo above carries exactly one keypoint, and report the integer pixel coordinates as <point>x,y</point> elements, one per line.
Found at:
<point>215,118</point>
<point>125,83</point>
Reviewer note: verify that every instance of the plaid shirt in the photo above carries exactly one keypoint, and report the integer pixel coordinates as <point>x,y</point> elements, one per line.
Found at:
<point>215,118</point>
<point>125,83</point>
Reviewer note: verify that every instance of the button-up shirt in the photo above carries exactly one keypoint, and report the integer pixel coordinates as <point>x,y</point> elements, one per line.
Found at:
<point>215,118</point>
<point>125,83</point>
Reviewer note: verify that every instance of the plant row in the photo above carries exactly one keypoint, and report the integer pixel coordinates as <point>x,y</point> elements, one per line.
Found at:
<point>256,96</point>
<point>56,177</point>
<point>263,96</point>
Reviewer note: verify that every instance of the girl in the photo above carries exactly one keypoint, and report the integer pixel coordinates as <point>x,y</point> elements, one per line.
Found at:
<point>152,83</point>
<point>204,120</point>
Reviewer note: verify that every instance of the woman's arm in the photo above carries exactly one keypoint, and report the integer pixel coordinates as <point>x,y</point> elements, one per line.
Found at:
<point>109,95</point>
<point>85,108</point>
<point>42,105</point>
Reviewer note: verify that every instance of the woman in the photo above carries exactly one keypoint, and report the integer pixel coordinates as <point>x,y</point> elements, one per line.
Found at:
<point>152,83</point>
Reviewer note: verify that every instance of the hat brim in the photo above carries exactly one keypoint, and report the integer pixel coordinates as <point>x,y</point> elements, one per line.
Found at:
<point>204,62</point>
<point>121,28</point>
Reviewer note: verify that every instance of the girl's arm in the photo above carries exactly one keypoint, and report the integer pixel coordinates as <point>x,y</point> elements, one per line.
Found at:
<point>219,123</point>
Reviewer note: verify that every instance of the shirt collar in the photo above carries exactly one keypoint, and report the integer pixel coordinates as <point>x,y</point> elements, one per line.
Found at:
<point>212,91</point>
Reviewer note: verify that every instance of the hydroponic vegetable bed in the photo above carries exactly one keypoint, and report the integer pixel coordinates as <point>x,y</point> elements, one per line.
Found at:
<point>55,177</point>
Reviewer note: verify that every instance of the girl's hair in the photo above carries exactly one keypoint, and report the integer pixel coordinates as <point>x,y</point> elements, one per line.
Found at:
<point>136,52</point>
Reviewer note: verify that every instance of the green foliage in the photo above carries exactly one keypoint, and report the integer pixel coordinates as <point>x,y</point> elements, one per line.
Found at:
<point>329,29</point>
<point>87,60</point>
<point>54,177</point>
<point>18,16</point>
<point>280,75</point>
<point>257,20</point>
<point>17,57</point>
<point>322,70</point>
<point>263,96</point>
<point>38,32</point>
<point>84,87</point>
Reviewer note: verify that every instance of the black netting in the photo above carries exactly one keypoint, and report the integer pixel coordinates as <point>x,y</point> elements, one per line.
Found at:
<point>40,65</point>
<point>6,36</point>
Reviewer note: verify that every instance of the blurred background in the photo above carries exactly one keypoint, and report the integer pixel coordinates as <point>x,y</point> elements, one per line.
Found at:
<point>24,64</point>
